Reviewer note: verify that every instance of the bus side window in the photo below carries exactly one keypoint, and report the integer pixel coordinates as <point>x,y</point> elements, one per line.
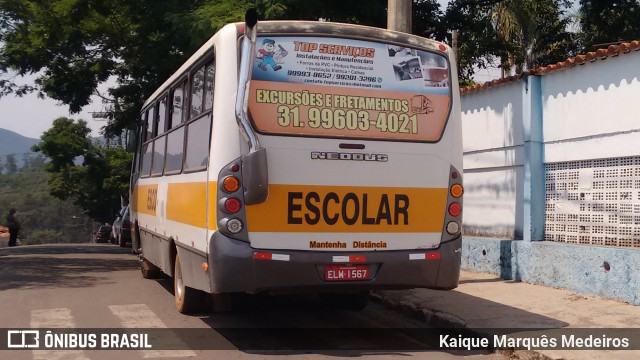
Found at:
<point>150,121</point>
<point>177,103</point>
<point>133,145</point>
<point>197,91</point>
<point>208,88</point>
<point>175,137</point>
<point>158,155</point>
<point>162,113</point>
<point>147,151</point>
<point>175,149</point>
<point>198,136</point>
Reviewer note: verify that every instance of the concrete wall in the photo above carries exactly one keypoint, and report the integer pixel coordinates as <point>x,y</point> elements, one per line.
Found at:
<point>510,131</point>
<point>493,161</point>
<point>591,110</point>
<point>574,267</point>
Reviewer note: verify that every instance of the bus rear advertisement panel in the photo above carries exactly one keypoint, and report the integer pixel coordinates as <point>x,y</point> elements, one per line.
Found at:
<point>333,87</point>
<point>391,100</point>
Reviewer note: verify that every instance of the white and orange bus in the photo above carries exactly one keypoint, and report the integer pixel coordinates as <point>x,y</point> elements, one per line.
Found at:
<point>302,156</point>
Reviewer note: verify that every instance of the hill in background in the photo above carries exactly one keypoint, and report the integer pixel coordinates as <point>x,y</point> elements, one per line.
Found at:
<point>14,143</point>
<point>18,145</point>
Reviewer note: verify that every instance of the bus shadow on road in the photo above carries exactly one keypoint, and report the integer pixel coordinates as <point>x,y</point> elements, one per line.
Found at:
<point>54,266</point>
<point>301,324</point>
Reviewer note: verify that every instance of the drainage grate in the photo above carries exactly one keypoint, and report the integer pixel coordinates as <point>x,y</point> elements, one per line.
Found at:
<point>594,202</point>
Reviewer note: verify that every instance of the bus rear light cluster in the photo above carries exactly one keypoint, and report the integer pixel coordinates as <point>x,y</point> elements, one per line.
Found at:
<point>230,212</point>
<point>453,216</point>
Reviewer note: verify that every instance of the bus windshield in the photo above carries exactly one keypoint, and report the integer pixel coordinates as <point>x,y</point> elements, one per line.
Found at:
<point>348,88</point>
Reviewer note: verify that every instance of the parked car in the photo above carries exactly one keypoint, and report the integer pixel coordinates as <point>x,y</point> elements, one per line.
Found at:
<point>121,233</point>
<point>103,234</point>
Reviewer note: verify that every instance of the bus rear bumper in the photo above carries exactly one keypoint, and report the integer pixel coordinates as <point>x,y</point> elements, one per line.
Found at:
<point>233,268</point>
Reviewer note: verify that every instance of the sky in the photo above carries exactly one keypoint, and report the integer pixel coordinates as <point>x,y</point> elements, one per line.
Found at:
<point>30,116</point>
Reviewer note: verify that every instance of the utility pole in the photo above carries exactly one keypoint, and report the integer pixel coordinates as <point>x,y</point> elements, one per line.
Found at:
<point>399,15</point>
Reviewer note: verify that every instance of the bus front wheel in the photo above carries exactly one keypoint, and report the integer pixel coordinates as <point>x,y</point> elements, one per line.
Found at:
<point>187,299</point>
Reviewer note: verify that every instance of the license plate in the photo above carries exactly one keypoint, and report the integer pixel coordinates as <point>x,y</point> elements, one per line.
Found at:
<point>347,273</point>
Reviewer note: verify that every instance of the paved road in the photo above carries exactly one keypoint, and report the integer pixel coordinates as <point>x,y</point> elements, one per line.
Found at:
<point>100,286</point>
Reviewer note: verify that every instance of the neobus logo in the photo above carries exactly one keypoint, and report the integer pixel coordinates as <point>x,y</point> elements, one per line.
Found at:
<point>322,155</point>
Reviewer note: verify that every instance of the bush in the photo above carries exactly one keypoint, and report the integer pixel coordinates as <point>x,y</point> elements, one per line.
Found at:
<point>42,237</point>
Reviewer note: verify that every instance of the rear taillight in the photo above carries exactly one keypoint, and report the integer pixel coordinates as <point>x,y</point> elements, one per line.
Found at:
<point>231,184</point>
<point>231,202</point>
<point>453,216</point>
<point>234,226</point>
<point>232,205</point>
<point>456,190</point>
<point>455,209</point>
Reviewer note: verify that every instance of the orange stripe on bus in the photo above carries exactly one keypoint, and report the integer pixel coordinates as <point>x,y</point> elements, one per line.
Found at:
<point>312,208</point>
<point>213,206</point>
<point>145,199</point>
<point>187,203</point>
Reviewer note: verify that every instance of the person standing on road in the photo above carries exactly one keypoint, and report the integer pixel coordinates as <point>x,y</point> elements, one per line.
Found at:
<point>14,227</point>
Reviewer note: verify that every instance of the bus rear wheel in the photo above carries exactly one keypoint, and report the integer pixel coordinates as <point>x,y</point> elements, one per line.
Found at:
<point>187,299</point>
<point>345,301</point>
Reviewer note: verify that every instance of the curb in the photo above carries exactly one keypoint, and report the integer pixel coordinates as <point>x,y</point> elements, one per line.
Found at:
<point>447,320</point>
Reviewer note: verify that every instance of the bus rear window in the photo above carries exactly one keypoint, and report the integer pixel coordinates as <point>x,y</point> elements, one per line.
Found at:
<point>346,88</point>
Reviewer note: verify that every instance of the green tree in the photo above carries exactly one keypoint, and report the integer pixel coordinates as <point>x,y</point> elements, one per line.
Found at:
<point>428,20</point>
<point>478,41</point>
<point>44,218</point>
<point>33,161</point>
<point>604,22</point>
<point>74,45</point>
<point>534,32</point>
<point>521,34</point>
<point>96,185</point>
<point>10,164</point>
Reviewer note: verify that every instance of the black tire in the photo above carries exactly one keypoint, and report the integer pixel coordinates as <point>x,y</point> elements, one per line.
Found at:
<point>149,271</point>
<point>188,300</point>
<point>345,301</point>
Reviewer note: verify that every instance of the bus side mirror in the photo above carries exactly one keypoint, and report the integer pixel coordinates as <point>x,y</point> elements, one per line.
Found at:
<point>255,177</point>
<point>132,140</point>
